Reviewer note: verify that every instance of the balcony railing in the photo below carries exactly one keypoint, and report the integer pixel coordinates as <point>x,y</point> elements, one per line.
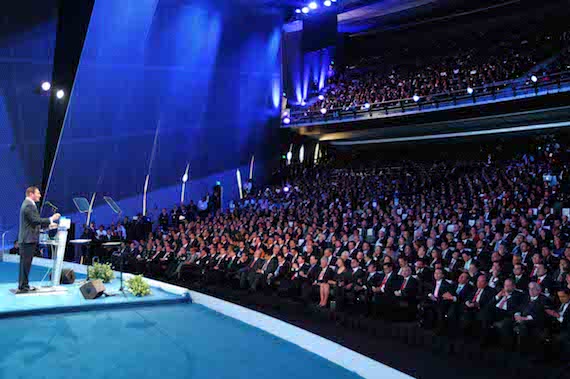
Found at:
<point>499,91</point>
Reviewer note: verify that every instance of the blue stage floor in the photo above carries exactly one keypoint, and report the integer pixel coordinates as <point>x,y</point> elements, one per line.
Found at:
<point>165,341</point>
<point>12,305</point>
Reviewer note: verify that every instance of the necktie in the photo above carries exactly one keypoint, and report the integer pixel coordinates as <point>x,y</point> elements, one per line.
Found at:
<point>404,284</point>
<point>252,263</point>
<point>539,280</point>
<point>436,292</point>
<point>476,295</point>
<point>384,281</point>
<point>502,303</point>
<point>322,274</point>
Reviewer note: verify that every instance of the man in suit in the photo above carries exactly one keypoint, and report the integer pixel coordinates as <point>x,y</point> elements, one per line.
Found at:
<point>560,322</point>
<point>435,306</point>
<point>247,273</point>
<point>503,308</point>
<point>529,320</point>
<point>406,296</point>
<point>28,236</point>
<point>463,292</point>
<point>519,277</point>
<point>483,295</point>
<point>383,295</point>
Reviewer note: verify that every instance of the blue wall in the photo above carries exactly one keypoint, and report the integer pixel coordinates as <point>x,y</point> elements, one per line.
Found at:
<point>164,83</point>
<point>27,42</point>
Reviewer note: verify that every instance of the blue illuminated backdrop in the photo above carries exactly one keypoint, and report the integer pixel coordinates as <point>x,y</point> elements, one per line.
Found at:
<point>27,41</point>
<point>164,83</point>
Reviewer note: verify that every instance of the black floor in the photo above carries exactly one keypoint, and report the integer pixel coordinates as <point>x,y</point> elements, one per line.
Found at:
<point>403,346</point>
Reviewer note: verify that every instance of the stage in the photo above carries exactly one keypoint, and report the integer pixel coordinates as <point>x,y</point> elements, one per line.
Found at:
<point>71,300</point>
<point>162,335</point>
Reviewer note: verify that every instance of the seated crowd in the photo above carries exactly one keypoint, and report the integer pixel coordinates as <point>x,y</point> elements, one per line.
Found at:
<point>470,248</point>
<point>375,81</point>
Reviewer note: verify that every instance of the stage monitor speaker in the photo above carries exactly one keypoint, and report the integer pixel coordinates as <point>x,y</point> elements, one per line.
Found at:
<point>92,289</point>
<point>67,276</point>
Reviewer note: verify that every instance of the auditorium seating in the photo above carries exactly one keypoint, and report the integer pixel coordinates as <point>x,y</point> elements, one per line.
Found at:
<point>473,250</point>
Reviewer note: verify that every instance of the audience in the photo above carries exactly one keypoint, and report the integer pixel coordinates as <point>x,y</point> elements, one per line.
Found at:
<point>375,81</point>
<point>466,248</point>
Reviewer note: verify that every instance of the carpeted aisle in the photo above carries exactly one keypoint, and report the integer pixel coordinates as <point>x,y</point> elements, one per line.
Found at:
<point>175,341</point>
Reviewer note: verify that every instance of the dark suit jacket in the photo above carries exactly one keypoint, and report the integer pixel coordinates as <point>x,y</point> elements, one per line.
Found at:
<point>514,303</point>
<point>410,291</point>
<point>522,283</point>
<point>536,309</point>
<point>30,223</point>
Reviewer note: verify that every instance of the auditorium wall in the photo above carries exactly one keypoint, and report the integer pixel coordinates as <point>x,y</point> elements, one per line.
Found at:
<point>162,84</point>
<point>27,41</point>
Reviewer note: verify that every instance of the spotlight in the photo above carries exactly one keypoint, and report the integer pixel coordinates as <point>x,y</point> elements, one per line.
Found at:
<point>60,94</point>
<point>305,10</point>
<point>416,98</point>
<point>313,5</point>
<point>297,10</point>
<point>534,79</point>
<point>323,110</point>
<point>321,97</point>
<point>46,86</point>
<point>367,105</point>
<point>327,3</point>
<point>469,90</point>
<point>303,103</point>
<point>286,120</point>
<point>286,189</point>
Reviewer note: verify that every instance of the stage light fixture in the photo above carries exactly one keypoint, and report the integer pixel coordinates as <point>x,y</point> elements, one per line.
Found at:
<point>323,110</point>
<point>46,86</point>
<point>327,3</point>
<point>469,90</point>
<point>286,189</point>
<point>321,97</point>
<point>313,5</point>
<point>305,10</point>
<point>534,79</point>
<point>297,10</point>
<point>303,103</point>
<point>60,94</point>
<point>286,120</point>
<point>416,98</point>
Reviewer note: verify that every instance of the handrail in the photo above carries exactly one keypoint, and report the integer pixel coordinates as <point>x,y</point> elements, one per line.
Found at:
<point>494,89</point>
<point>3,245</point>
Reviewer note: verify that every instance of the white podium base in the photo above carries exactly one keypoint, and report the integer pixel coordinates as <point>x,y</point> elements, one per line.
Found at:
<point>42,291</point>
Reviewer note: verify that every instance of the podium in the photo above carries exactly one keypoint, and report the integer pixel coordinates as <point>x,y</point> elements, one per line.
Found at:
<point>57,247</point>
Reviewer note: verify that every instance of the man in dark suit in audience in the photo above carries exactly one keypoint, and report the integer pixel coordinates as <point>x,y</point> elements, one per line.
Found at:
<point>406,296</point>
<point>247,273</point>
<point>483,295</point>
<point>281,271</point>
<point>383,295</point>
<point>503,308</point>
<point>560,323</point>
<point>434,307</point>
<point>260,275</point>
<point>291,285</point>
<point>542,278</point>
<point>463,292</point>
<point>527,322</point>
<point>520,278</point>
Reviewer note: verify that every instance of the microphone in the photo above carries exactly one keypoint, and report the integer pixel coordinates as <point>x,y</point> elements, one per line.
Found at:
<point>51,205</point>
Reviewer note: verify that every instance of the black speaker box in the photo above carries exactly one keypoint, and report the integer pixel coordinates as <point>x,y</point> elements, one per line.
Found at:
<point>67,276</point>
<point>92,289</point>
